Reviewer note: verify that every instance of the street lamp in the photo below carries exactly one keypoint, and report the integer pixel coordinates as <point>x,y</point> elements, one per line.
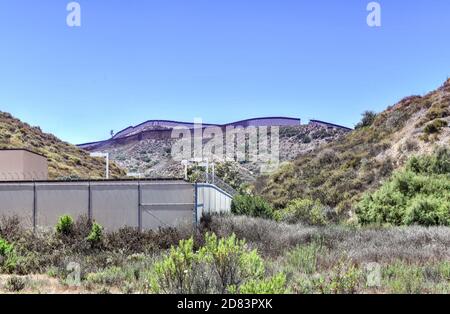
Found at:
<point>106,156</point>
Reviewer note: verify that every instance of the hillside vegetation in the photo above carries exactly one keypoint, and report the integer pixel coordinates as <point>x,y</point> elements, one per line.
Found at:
<point>338,173</point>
<point>418,194</point>
<point>65,160</point>
<point>228,254</point>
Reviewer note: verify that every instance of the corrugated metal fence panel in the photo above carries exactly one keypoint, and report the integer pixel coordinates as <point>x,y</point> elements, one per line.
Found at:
<point>56,200</point>
<point>167,192</point>
<point>155,216</point>
<point>212,200</point>
<point>115,205</point>
<point>17,200</point>
<point>166,204</point>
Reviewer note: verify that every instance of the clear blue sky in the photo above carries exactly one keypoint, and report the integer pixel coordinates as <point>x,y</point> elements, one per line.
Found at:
<point>221,60</point>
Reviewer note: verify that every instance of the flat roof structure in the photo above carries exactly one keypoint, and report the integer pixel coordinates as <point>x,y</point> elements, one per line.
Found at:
<point>21,164</point>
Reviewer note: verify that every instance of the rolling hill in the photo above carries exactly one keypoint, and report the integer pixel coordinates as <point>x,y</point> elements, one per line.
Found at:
<point>65,160</point>
<point>338,173</point>
<point>146,149</point>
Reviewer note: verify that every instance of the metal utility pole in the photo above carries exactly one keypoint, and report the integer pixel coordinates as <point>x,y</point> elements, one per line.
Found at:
<point>185,163</point>
<point>106,156</point>
<point>202,162</point>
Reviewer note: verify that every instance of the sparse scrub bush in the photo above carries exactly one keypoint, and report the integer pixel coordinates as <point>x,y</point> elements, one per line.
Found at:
<point>96,234</point>
<point>435,126</point>
<point>410,145</point>
<point>304,258</point>
<point>5,248</point>
<point>249,205</point>
<point>305,211</point>
<point>343,278</point>
<point>64,225</point>
<point>401,278</point>
<point>368,118</point>
<point>8,256</point>
<point>273,285</point>
<point>327,157</point>
<point>111,276</point>
<point>15,284</point>
<point>10,228</point>
<point>231,260</point>
<point>438,111</point>
<point>220,266</point>
<point>174,273</point>
<point>444,270</point>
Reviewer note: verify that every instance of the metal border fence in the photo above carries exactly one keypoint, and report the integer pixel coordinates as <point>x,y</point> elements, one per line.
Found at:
<point>143,204</point>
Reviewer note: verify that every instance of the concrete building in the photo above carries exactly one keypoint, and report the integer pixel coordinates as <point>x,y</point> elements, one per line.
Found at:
<point>22,164</point>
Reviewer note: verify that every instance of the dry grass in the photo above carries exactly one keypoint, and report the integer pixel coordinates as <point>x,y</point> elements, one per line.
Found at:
<point>384,245</point>
<point>414,259</point>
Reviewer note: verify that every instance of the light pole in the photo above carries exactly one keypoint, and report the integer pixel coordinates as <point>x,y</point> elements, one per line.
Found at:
<point>185,164</point>
<point>106,156</point>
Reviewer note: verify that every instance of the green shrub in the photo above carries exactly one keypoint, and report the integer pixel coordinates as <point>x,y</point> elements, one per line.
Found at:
<point>96,234</point>
<point>437,163</point>
<point>8,257</point>
<point>5,248</point>
<point>419,194</point>
<point>110,276</point>
<point>444,271</point>
<point>175,272</point>
<point>249,205</point>
<point>427,211</point>
<point>221,265</point>
<point>303,210</point>
<point>344,278</point>
<point>304,258</point>
<point>402,278</point>
<point>231,260</point>
<point>64,225</point>
<point>272,285</point>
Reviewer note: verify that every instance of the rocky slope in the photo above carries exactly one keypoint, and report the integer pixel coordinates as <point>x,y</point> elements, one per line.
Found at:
<point>152,157</point>
<point>65,160</point>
